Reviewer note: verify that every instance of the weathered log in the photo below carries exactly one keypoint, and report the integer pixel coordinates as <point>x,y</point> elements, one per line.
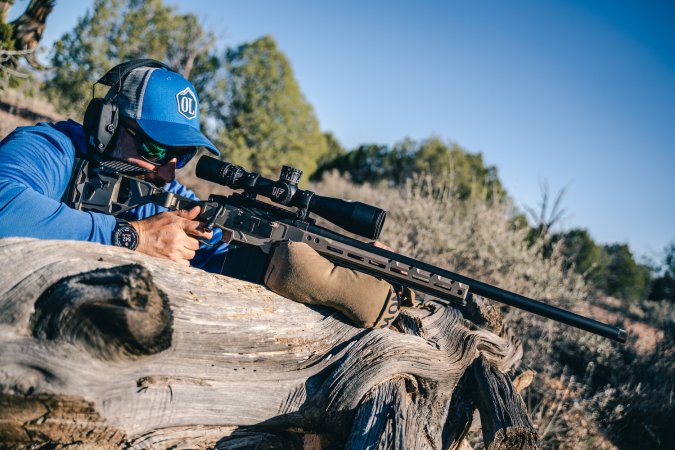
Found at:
<point>102,346</point>
<point>463,415</point>
<point>484,313</point>
<point>503,415</point>
<point>380,421</point>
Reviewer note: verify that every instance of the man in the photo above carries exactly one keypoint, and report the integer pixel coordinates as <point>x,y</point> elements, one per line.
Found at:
<point>150,119</point>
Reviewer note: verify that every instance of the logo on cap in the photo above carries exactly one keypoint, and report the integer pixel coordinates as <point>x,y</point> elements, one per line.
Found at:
<point>187,103</point>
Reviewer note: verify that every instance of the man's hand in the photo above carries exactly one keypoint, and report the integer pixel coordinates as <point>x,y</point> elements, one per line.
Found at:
<point>171,235</point>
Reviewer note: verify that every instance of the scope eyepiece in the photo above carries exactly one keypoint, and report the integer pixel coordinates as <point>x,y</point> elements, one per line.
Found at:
<point>355,217</point>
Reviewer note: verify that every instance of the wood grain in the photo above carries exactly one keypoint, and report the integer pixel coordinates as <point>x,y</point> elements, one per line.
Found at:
<point>103,346</point>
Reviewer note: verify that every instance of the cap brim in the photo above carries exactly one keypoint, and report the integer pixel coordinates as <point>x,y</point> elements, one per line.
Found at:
<point>176,135</point>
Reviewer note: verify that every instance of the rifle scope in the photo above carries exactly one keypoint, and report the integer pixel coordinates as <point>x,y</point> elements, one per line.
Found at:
<point>355,217</point>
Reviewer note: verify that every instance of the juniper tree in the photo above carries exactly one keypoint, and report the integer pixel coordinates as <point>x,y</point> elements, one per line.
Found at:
<point>269,121</point>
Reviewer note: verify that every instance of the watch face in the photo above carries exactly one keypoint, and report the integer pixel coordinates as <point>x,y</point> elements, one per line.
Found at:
<point>125,236</point>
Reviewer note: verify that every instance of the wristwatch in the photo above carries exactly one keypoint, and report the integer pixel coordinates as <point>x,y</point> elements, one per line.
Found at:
<point>124,235</point>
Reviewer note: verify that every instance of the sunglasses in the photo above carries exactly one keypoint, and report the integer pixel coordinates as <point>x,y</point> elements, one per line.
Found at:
<point>158,154</point>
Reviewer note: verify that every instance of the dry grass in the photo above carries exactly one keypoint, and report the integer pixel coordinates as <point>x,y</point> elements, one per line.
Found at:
<point>474,238</point>
<point>589,392</point>
<point>22,101</point>
<point>28,95</point>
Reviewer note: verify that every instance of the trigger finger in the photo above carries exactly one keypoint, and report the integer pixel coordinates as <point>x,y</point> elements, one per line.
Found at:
<point>196,229</point>
<point>204,232</point>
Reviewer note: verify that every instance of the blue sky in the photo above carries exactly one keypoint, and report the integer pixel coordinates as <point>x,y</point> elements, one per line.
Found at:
<point>580,94</point>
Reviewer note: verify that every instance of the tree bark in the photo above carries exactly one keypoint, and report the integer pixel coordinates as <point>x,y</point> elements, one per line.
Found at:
<point>107,347</point>
<point>504,418</point>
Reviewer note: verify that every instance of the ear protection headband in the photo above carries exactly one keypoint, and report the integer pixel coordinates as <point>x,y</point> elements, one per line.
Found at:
<point>102,115</point>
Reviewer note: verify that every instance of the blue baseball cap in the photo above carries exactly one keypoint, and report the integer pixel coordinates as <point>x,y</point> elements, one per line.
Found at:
<point>165,106</point>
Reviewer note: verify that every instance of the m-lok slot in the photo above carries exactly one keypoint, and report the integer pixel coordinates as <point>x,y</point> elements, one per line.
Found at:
<point>399,271</point>
<point>420,278</point>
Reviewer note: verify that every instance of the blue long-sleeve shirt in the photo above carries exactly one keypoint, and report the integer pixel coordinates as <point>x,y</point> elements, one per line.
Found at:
<point>36,163</point>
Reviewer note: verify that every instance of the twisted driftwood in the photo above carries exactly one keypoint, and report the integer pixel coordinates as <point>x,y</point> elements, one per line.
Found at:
<point>104,347</point>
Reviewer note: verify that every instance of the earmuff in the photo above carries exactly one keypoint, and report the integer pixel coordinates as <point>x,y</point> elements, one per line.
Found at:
<point>101,118</point>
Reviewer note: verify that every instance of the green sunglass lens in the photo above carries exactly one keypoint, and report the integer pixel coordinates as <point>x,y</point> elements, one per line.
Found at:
<point>154,152</point>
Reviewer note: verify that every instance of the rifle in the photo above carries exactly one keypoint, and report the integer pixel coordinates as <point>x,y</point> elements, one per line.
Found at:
<point>253,227</point>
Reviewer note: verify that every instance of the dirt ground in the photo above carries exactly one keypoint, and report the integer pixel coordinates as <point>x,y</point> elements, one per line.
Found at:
<point>9,122</point>
<point>609,310</point>
<point>16,111</point>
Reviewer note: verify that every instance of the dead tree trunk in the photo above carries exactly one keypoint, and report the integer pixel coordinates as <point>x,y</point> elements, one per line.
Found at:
<point>102,346</point>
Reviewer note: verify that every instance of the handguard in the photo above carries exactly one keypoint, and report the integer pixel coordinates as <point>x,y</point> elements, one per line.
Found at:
<point>298,272</point>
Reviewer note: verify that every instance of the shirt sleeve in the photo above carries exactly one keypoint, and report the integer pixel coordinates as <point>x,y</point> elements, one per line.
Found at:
<point>35,167</point>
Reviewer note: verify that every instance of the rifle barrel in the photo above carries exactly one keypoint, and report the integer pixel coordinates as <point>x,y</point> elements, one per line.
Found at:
<point>544,309</point>
<point>492,292</point>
